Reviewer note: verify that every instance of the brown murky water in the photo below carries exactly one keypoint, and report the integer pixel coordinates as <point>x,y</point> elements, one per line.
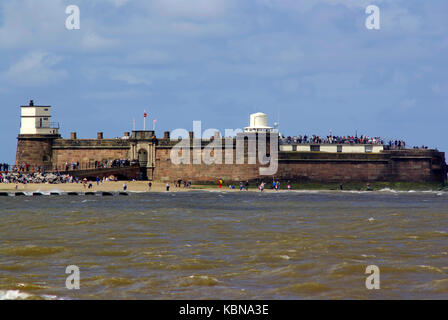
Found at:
<point>202,245</point>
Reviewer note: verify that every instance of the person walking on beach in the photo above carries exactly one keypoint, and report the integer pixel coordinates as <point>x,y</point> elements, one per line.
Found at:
<point>246,185</point>
<point>261,186</point>
<point>149,185</point>
<point>125,187</point>
<point>167,186</point>
<point>277,185</point>
<point>220,183</point>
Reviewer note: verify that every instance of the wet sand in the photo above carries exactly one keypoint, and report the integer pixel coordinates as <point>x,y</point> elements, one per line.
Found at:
<point>142,186</point>
<point>132,186</point>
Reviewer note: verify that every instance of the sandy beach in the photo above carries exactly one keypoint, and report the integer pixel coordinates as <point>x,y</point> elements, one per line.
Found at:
<point>108,186</point>
<point>132,186</point>
<point>142,186</point>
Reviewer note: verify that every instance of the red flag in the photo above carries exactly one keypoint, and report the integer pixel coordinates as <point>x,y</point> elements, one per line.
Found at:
<point>145,115</point>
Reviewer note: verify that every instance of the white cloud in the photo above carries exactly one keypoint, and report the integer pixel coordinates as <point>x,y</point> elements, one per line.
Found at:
<point>119,3</point>
<point>131,79</point>
<point>29,22</point>
<point>35,69</point>
<point>116,95</point>
<point>191,8</point>
<point>306,5</point>
<point>92,41</point>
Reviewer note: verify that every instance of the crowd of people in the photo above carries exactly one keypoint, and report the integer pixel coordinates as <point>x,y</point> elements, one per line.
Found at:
<point>117,163</point>
<point>37,177</point>
<point>22,168</point>
<point>331,139</point>
<point>245,186</point>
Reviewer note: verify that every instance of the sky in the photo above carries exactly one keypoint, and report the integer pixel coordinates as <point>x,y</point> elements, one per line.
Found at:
<point>311,65</point>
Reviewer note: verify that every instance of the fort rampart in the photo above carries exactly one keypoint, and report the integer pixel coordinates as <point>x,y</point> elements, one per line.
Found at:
<point>154,155</point>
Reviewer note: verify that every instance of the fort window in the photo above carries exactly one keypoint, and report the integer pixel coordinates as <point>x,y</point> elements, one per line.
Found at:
<point>369,149</point>
<point>294,148</point>
<point>315,148</point>
<point>339,148</point>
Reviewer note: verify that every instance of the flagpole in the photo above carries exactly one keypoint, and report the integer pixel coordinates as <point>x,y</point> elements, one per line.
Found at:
<point>144,121</point>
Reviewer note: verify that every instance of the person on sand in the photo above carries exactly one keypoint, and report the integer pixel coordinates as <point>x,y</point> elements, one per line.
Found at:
<point>149,185</point>
<point>277,185</point>
<point>246,185</point>
<point>220,183</point>
<point>167,186</point>
<point>125,187</point>
<point>261,186</point>
<point>289,186</point>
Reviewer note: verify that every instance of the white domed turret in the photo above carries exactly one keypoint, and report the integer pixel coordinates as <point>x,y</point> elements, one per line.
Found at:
<point>258,123</point>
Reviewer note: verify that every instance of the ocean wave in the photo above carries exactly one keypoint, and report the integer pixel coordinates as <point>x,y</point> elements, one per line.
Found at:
<point>198,280</point>
<point>14,295</point>
<point>30,251</point>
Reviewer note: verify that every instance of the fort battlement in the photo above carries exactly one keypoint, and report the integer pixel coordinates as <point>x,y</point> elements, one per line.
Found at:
<point>296,162</point>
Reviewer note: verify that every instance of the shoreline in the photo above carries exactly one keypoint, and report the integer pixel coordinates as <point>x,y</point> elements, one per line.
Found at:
<point>142,187</point>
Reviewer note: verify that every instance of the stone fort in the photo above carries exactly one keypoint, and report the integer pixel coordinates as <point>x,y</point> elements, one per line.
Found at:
<point>40,145</point>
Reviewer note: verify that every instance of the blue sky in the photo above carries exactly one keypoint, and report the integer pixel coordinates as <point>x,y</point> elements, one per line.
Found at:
<point>310,64</point>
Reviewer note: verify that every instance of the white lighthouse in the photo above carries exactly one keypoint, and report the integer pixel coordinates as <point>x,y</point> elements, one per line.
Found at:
<point>35,120</point>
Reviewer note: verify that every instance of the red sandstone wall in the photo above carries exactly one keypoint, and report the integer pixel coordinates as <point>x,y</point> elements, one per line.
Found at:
<point>165,170</point>
<point>318,167</point>
<point>86,157</point>
<point>35,152</point>
<point>333,171</point>
<point>317,170</point>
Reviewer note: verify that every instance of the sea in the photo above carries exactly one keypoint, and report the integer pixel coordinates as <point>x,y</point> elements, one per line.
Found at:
<point>225,245</point>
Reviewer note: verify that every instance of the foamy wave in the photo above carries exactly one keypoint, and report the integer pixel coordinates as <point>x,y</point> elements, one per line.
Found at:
<point>408,191</point>
<point>14,295</point>
<point>356,192</point>
<point>388,190</point>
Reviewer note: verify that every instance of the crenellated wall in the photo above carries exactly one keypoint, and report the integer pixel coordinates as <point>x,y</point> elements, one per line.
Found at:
<point>402,165</point>
<point>87,151</point>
